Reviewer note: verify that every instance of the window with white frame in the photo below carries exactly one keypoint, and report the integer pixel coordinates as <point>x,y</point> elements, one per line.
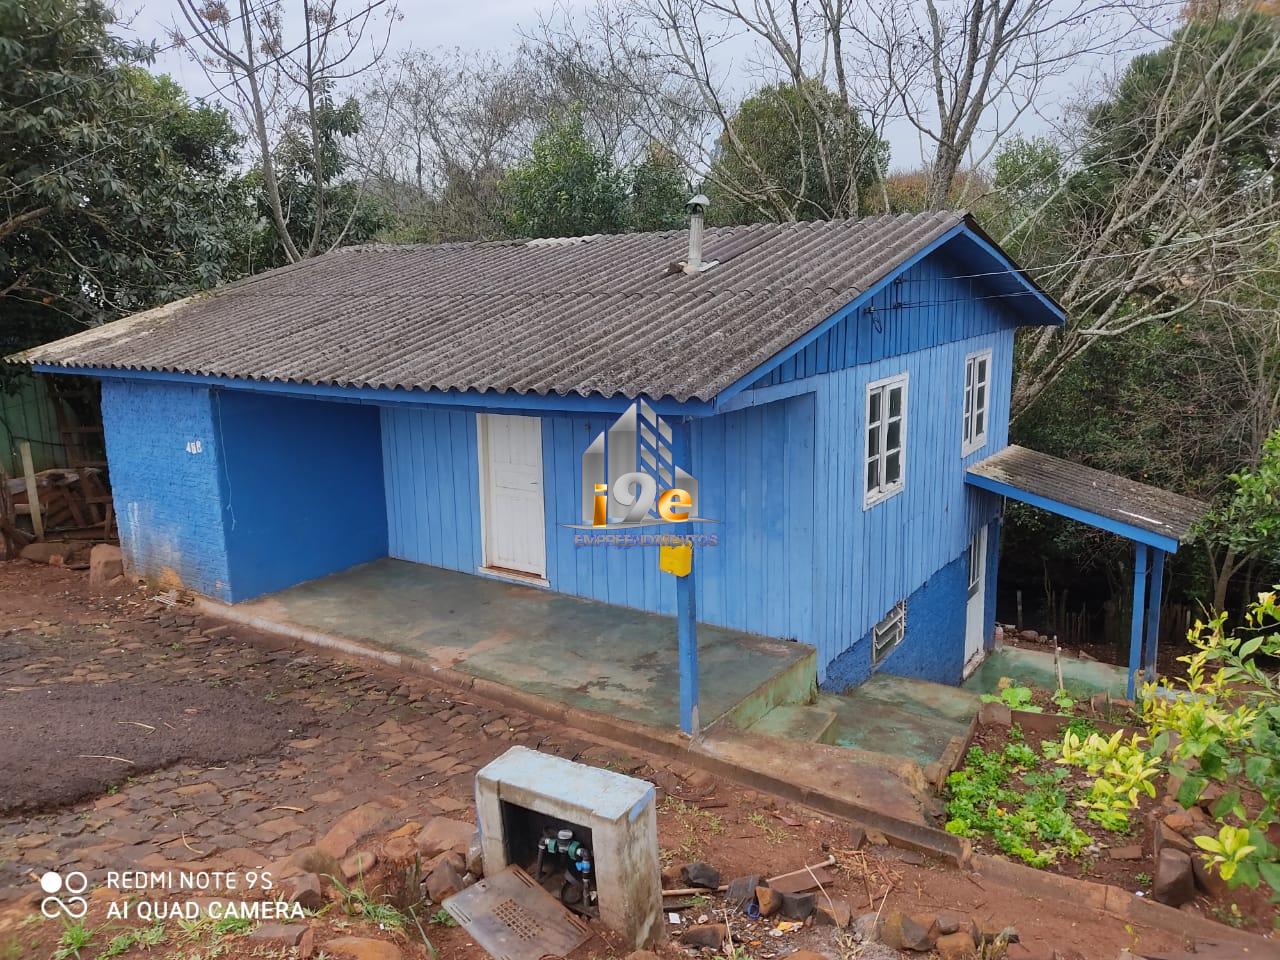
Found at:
<point>888,633</point>
<point>886,439</point>
<point>977,557</point>
<point>977,391</point>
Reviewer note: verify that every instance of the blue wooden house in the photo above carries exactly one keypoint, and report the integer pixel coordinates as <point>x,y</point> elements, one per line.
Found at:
<point>826,387</point>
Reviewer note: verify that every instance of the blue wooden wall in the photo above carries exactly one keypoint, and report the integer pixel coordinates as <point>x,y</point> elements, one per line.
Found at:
<point>755,473</point>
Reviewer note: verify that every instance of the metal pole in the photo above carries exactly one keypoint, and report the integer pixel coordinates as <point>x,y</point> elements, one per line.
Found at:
<point>1153,615</point>
<point>687,601</point>
<point>1140,554</point>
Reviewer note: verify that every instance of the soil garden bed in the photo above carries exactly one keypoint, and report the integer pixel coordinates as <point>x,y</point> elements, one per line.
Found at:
<point>1012,797</point>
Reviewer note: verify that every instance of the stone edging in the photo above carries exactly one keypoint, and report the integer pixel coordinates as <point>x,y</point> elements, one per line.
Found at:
<point>902,833</point>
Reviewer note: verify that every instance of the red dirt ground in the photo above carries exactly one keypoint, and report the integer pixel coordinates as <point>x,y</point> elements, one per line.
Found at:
<point>53,631</point>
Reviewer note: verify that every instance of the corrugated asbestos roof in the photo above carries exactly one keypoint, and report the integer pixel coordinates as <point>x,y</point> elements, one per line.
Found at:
<point>600,314</point>
<point>1093,491</point>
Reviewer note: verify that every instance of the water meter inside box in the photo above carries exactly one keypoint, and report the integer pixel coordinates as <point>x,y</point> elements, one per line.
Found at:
<point>556,853</point>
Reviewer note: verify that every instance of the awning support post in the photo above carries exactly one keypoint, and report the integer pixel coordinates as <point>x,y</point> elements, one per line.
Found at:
<point>1141,553</point>
<point>687,600</point>
<point>1154,599</point>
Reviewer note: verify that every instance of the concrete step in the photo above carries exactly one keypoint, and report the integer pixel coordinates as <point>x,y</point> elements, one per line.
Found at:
<point>796,721</point>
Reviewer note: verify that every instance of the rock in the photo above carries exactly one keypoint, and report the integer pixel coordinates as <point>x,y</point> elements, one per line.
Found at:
<point>106,562</point>
<point>951,921</point>
<point>1131,852</point>
<point>362,948</point>
<point>770,901</point>
<point>956,946</point>
<point>996,714</point>
<point>1029,636</point>
<point>711,935</point>
<point>285,934</point>
<point>353,826</point>
<point>741,892</point>
<point>797,906</point>
<point>475,855</point>
<point>1174,882</point>
<point>307,860</point>
<point>1207,878</point>
<point>904,931</point>
<point>304,890</point>
<point>400,849</point>
<point>357,865</point>
<point>1167,838</point>
<point>700,874</point>
<point>1180,821</point>
<point>805,955</point>
<point>832,912</point>
<point>857,837</point>
<point>442,834</point>
<point>444,880</point>
<point>876,837</point>
<point>641,955</point>
<point>867,927</point>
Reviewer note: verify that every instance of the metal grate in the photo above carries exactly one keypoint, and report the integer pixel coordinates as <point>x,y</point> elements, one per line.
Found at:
<point>513,918</point>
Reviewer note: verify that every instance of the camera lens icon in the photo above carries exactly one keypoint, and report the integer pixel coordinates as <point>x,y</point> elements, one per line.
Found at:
<point>74,883</point>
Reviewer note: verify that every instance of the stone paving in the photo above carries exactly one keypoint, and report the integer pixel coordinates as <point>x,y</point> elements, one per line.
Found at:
<point>407,743</point>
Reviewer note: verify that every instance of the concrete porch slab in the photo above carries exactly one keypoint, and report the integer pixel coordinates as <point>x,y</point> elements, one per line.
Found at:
<point>582,653</point>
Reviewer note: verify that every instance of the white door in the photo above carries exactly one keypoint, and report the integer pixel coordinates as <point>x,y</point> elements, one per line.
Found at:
<point>975,608</point>
<point>511,493</point>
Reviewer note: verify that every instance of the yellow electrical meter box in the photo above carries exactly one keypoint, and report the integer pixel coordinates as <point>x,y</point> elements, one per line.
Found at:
<point>677,560</point>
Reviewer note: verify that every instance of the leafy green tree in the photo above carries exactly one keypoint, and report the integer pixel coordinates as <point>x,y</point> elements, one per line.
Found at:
<point>118,193</point>
<point>565,188</point>
<point>659,191</point>
<point>794,152</point>
<point>1245,526</point>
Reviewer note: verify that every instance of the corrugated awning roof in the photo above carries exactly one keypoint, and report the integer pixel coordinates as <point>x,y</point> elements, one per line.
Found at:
<point>1135,510</point>
<point>598,315</point>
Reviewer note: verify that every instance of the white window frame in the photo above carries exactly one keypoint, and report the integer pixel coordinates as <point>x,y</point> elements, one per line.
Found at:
<point>883,491</point>
<point>888,633</point>
<point>977,556</point>
<point>971,438</point>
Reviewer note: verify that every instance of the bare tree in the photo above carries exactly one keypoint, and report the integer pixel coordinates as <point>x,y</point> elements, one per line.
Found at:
<point>274,81</point>
<point>961,75</point>
<point>1172,205</point>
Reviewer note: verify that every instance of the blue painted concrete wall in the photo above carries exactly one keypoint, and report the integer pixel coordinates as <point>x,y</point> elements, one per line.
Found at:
<point>302,482</point>
<point>932,646</point>
<point>166,481</point>
<point>234,494</point>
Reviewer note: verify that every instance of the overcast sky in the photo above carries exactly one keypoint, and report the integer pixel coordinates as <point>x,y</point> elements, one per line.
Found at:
<point>497,25</point>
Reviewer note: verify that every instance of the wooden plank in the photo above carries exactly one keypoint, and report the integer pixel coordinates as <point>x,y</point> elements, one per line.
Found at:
<point>33,495</point>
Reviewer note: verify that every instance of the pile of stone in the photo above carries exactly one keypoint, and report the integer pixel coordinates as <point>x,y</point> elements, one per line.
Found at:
<point>412,864</point>
<point>1179,872</point>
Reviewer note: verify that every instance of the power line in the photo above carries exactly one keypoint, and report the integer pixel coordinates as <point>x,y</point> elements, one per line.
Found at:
<point>16,188</point>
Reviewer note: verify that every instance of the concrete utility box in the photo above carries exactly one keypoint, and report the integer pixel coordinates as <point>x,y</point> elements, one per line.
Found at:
<point>524,790</point>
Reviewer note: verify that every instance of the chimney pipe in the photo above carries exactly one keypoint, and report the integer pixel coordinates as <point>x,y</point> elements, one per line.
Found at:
<point>694,264</point>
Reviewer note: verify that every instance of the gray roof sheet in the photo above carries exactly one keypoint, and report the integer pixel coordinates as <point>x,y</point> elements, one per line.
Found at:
<point>1094,491</point>
<point>601,314</point>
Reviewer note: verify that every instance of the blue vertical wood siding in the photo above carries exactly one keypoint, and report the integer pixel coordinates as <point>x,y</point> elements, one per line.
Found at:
<point>430,462</point>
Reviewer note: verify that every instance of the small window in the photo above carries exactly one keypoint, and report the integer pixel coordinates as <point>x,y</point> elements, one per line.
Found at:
<point>886,439</point>
<point>888,633</point>
<point>977,557</point>
<point>977,388</point>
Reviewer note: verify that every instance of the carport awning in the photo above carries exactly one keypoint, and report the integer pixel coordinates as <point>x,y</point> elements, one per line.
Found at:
<point>1137,511</point>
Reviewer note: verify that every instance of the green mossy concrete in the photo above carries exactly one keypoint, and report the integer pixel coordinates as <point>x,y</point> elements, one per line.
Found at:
<point>582,653</point>
<point>1034,668</point>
